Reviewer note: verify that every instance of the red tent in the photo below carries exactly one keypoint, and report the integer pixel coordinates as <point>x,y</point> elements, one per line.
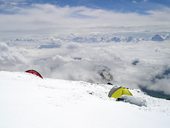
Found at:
<point>34,73</point>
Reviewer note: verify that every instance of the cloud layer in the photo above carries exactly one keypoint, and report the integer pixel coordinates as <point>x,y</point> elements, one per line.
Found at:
<point>130,65</point>
<point>50,18</point>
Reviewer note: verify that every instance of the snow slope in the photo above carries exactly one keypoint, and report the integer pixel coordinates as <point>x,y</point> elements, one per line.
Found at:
<point>27,101</point>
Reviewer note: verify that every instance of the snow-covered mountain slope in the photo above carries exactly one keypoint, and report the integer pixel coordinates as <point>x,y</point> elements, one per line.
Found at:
<point>30,102</point>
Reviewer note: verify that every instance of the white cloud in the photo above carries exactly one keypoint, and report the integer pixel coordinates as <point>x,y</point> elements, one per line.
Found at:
<point>98,62</point>
<point>118,58</point>
<point>134,1</point>
<point>51,18</point>
<point>11,58</point>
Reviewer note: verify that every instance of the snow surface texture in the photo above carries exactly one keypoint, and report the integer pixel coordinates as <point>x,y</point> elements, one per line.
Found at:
<point>131,59</point>
<point>31,102</point>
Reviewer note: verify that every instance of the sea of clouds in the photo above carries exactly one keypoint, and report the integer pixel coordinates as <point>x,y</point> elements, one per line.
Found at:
<point>128,64</point>
<point>30,40</point>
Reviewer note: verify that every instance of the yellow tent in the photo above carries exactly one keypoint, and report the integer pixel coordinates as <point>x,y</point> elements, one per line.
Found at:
<point>119,92</point>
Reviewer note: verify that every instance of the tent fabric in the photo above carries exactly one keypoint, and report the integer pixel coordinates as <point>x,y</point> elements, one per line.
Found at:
<point>113,90</point>
<point>34,73</point>
<point>117,92</point>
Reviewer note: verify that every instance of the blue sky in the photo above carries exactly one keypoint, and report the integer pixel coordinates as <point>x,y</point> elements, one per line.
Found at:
<point>138,6</point>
